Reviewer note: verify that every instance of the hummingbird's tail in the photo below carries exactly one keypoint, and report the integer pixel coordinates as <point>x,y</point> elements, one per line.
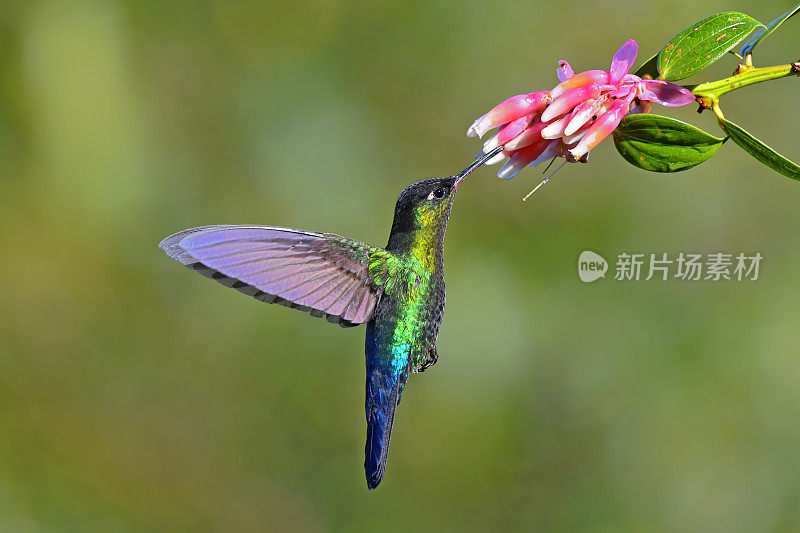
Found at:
<point>384,387</point>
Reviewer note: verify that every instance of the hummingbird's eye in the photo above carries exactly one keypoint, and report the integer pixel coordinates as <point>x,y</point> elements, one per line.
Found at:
<point>438,193</point>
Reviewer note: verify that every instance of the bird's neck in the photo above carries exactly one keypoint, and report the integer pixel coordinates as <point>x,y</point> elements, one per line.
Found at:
<point>427,248</point>
<point>422,243</point>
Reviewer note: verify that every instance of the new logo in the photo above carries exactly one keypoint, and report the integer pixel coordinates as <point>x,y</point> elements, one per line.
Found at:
<point>591,266</point>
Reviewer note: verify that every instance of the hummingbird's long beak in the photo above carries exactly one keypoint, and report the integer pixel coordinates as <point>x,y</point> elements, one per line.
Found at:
<point>475,164</point>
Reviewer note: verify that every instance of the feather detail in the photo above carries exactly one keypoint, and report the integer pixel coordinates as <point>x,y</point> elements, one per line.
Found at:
<point>322,273</point>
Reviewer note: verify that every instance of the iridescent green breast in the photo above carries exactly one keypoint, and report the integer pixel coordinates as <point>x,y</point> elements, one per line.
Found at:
<point>411,308</point>
<point>409,316</point>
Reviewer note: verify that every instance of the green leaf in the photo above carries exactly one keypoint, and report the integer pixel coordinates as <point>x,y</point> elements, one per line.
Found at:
<point>759,35</point>
<point>759,150</point>
<point>701,44</point>
<point>648,67</point>
<point>663,144</point>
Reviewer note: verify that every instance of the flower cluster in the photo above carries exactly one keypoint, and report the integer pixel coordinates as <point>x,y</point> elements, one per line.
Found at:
<point>574,117</point>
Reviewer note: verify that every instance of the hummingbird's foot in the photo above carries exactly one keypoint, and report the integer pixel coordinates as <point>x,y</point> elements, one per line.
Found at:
<point>433,356</point>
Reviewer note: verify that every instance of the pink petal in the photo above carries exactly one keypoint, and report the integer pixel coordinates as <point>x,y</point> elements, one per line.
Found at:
<point>529,136</point>
<point>564,71</point>
<point>571,98</point>
<point>631,79</point>
<point>601,129</point>
<point>499,157</point>
<point>622,92</point>
<point>583,114</point>
<point>664,93</point>
<point>514,128</point>
<point>522,158</point>
<point>555,128</point>
<point>575,137</point>
<point>472,131</point>
<point>491,143</point>
<point>508,110</point>
<point>623,61</point>
<point>552,151</point>
<point>600,77</point>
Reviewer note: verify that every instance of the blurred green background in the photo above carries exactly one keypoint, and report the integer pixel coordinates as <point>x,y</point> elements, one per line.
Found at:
<point>137,395</point>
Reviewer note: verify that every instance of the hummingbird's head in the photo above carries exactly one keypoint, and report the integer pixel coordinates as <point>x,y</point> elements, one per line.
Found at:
<point>423,207</point>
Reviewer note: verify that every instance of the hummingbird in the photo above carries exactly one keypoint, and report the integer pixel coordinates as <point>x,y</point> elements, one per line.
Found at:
<point>397,291</point>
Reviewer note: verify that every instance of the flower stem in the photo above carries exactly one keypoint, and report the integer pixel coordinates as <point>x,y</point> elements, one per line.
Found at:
<point>748,76</point>
<point>717,110</point>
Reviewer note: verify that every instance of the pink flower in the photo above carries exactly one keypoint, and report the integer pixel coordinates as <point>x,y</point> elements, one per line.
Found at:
<point>511,109</point>
<point>572,118</point>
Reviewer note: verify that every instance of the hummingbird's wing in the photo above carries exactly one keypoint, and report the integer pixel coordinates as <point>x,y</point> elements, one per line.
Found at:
<point>326,274</point>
